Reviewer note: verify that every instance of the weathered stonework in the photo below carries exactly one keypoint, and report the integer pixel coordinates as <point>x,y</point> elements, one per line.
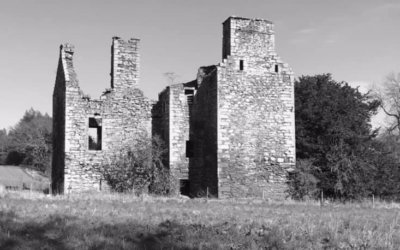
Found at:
<point>203,165</point>
<point>241,122</point>
<point>122,113</point>
<point>256,135</point>
<point>171,123</point>
<point>229,133</point>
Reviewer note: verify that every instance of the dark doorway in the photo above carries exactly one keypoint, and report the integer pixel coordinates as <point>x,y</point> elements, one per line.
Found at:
<point>184,187</point>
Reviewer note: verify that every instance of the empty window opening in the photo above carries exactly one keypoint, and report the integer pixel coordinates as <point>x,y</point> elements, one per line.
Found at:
<point>190,95</point>
<point>189,149</point>
<point>241,65</point>
<point>94,132</point>
<point>190,99</point>
<point>189,91</point>
<point>184,187</point>
<point>276,68</point>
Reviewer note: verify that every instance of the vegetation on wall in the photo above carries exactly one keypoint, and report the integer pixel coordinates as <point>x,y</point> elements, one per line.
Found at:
<point>139,168</point>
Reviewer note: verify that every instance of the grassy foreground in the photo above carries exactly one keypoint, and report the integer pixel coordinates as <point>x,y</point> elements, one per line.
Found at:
<point>107,221</point>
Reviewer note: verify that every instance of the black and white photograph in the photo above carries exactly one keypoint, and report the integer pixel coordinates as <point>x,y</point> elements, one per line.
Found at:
<point>185,124</point>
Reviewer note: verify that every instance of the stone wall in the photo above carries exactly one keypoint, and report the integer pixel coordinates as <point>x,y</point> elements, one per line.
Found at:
<point>161,121</point>
<point>241,123</point>
<point>124,64</point>
<point>122,112</point>
<point>256,145</point>
<point>171,123</point>
<point>248,38</point>
<point>179,130</point>
<point>203,174</point>
<point>58,156</point>
<point>231,131</point>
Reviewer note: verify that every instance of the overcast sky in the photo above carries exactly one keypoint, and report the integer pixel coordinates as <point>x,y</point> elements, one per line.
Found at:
<point>357,41</point>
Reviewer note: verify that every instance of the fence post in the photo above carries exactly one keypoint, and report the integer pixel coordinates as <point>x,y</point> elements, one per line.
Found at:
<point>373,201</point>
<point>69,190</point>
<point>322,198</point>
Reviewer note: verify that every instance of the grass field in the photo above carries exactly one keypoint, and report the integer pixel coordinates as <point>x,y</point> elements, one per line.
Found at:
<point>107,221</point>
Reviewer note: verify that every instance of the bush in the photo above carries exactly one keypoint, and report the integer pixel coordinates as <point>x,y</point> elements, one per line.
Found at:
<point>139,168</point>
<point>302,183</point>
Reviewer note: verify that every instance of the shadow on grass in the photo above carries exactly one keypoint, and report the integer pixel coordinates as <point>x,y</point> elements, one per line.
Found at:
<point>66,232</point>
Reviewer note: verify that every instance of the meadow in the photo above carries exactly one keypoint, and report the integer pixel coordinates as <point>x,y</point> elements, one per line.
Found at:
<point>115,221</point>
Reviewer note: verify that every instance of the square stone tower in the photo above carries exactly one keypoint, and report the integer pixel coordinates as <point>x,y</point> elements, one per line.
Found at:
<point>247,38</point>
<point>242,119</point>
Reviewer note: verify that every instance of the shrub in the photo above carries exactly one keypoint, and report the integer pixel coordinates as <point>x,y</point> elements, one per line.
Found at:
<point>302,183</point>
<point>138,168</point>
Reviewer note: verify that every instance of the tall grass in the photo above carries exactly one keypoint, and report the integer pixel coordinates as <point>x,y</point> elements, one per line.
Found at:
<point>111,221</point>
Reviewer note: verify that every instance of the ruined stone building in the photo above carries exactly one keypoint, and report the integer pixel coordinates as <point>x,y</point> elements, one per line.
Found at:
<point>86,131</point>
<point>229,132</point>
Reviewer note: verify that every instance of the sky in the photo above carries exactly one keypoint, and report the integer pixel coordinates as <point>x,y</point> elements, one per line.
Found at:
<point>357,41</point>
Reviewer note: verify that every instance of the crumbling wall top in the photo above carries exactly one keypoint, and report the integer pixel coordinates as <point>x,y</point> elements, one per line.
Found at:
<point>245,18</point>
<point>68,48</point>
<point>66,57</point>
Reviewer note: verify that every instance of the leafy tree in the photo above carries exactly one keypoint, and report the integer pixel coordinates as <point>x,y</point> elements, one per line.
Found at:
<point>386,184</point>
<point>3,146</point>
<point>390,144</point>
<point>333,132</point>
<point>30,141</point>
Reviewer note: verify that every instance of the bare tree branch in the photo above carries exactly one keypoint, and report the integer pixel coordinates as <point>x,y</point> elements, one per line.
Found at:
<point>389,97</point>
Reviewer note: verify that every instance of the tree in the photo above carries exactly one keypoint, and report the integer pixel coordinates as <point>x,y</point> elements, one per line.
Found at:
<point>389,97</point>
<point>30,141</point>
<point>139,168</point>
<point>389,143</point>
<point>333,132</point>
<point>3,146</point>
<point>386,183</point>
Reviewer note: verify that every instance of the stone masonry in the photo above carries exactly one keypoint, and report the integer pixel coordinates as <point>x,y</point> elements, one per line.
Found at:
<point>121,114</point>
<point>229,132</point>
<point>241,118</point>
<point>173,116</point>
<point>256,135</point>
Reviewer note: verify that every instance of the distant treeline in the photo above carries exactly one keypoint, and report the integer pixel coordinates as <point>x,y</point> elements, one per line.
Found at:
<point>28,142</point>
